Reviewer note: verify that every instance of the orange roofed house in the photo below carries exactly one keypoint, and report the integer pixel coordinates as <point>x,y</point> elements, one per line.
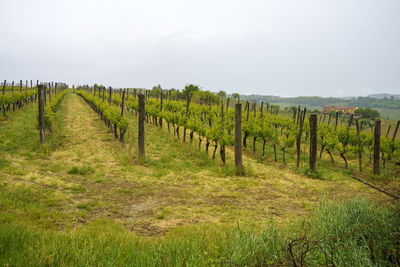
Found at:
<point>345,110</point>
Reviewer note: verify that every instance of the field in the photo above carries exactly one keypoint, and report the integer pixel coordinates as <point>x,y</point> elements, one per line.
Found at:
<point>98,202</point>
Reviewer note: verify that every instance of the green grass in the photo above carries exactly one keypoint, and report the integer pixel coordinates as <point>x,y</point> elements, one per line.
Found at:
<point>81,170</point>
<point>356,233</point>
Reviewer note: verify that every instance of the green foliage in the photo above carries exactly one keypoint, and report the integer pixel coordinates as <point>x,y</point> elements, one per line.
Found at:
<point>17,97</point>
<point>367,113</point>
<point>110,112</point>
<point>50,110</point>
<point>222,94</point>
<point>236,96</point>
<point>190,89</point>
<point>81,170</point>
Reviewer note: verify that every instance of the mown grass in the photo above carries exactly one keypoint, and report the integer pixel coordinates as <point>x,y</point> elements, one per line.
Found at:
<point>356,233</point>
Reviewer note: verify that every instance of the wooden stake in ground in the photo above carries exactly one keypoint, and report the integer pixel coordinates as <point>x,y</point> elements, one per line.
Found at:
<point>4,86</point>
<point>222,148</point>
<point>121,134</point>
<point>298,140</point>
<point>298,114</point>
<point>377,146</point>
<point>44,95</point>
<point>336,122</point>
<point>161,102</point>
<point>109,100</point>
<point>50,87</point>
<point>123,103</point>
<point>142,115</point>
<point>388,130</point>
<point>294,114</point>
<point>359,146</point>
<point>238,139</point>
<point>41,89</point>
<point>313,141</point>
<point>20,86</point>
<point>395,131</point>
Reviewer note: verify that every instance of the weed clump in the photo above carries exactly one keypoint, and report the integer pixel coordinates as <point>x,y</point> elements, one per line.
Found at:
<point>81,170</point>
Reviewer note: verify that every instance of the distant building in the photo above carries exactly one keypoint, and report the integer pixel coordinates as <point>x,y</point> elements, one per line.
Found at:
<point>344,110</point>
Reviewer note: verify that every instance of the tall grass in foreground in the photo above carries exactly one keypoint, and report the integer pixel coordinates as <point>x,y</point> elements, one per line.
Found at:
<point>356,233</point>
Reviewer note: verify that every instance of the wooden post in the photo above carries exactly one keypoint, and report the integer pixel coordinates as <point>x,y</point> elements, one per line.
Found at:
<point>388,130</point>
<point>262,107</point>
<point>50,93</point>
<point>187,104</point>
<point>44,90</point>
<point>294,114</point>
<point>109,100</point>
<point>336,122</point>
<point>359,146</point>
<point>248,111</point>
<point>395,131</point>
<point>142,115</point>
<point>313,141</point>
<point>41,88</point>
<point>20,86</point>
<point>377,146</point>
<point>123,103</point>
<point>238,139</point>
<point>350,122</point>
<point>298,140</point>
<point>161,102</point>
<point>4,87</point>
<point>222,148</point>
<point>12,88</point>
<point>121,133</point>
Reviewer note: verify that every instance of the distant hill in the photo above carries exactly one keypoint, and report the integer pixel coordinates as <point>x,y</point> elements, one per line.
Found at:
<point>383,96</point>
<point>316,101</point>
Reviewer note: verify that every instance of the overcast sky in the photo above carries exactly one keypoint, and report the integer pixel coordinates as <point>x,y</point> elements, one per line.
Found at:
<point>278,47</point>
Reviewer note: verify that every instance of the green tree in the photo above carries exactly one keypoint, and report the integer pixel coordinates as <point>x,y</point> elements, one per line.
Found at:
<point>222,94</point>
<point>190,89</point>
<point>236,96</point>
<point>367,113</point>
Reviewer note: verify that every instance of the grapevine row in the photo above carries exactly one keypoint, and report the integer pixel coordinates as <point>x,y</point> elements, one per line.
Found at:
<point>214,124</point>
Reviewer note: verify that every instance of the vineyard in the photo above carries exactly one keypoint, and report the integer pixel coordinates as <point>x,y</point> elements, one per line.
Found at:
<point>212,121</point>
<point>100,176</point>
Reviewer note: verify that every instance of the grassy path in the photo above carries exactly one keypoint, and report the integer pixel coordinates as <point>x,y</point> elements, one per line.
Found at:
<point>82,174</point>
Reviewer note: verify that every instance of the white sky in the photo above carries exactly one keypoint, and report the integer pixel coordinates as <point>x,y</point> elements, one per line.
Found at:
<point>279,47</point>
